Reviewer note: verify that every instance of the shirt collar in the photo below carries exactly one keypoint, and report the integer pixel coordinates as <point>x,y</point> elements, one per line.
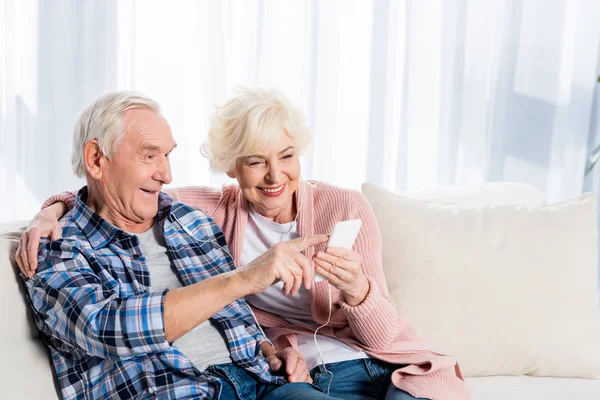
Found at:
<point>100,232</point>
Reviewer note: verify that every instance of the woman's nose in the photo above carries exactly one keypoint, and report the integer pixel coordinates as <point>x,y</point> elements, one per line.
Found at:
<point>274,173</point>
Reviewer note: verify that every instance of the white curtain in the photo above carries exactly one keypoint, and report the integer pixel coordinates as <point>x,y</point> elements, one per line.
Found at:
<point>406,94</point>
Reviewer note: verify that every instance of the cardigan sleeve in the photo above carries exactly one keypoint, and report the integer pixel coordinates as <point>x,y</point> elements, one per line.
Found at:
<point>374,321</point>
<point>65,197</point>
<point>204,198</point>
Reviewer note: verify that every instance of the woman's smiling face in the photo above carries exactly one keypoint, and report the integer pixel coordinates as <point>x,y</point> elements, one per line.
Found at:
<point>269,179</point>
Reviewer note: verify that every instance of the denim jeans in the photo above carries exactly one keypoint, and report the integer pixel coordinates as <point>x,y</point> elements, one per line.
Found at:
<point>238,384</point>
<point>359,380</point>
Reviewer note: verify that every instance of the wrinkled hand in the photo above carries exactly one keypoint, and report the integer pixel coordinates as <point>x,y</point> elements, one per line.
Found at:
<point>342,268</point>
<point>296,368</point>
<point>44,224</point>
<point>283,262</point>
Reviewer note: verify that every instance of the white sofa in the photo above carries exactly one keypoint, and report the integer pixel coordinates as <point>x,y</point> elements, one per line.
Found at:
<point>26,371</point>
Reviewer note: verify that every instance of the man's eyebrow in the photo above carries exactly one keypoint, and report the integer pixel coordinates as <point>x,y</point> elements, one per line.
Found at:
<point>151,147</point>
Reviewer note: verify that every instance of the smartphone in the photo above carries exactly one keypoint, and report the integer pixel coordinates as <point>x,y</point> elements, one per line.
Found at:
<point>343,235</point>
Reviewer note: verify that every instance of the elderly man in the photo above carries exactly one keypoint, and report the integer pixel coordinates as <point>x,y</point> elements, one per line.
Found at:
<point>140,299</point>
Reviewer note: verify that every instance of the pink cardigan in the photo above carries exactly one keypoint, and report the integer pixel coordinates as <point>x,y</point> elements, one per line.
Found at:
<point>372,326</point>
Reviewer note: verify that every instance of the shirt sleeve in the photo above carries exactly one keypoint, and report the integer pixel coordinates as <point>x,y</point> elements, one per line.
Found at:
<point>71,304</point>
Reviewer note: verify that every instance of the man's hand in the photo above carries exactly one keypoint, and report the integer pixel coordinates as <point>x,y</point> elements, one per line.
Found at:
<point>44,224</point>
<point>296,369</point>
<point>283,262</point>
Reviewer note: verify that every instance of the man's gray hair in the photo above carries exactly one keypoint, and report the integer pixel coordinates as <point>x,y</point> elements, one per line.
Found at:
<point>103,120</point>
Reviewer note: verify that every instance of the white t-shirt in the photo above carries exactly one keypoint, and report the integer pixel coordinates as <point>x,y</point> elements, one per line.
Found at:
<point>206,344</point>
<point>261,234</point>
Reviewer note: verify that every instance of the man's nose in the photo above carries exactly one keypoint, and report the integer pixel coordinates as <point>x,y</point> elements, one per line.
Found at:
<point>163,172</point>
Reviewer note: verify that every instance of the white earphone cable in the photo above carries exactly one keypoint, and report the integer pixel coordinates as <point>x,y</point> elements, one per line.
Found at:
<point>317,343</point>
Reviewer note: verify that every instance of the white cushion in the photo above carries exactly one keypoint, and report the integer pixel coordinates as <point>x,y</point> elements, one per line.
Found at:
<point>13,226</point>
<point>26,371</point>
<point>486,194</point>
<point>530,388</point>
<point>507,290</point>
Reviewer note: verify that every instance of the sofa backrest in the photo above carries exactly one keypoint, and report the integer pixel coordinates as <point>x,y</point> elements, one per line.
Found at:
<point>26,371</point>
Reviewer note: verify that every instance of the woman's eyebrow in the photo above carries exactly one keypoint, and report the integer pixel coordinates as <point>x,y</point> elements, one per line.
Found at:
<point>286,149</point>
<point>264,158</point>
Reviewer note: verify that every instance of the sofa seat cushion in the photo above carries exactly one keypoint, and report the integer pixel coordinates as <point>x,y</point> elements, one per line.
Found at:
<point>533,388</point>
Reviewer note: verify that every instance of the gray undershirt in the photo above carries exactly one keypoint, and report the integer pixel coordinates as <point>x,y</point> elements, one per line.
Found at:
<point>204,345</point>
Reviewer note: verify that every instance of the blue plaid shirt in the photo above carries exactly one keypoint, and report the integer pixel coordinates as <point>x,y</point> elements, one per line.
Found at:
<point>91,299</point>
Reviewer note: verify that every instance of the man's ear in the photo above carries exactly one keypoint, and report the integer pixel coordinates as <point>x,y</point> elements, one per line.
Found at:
<point>231,174</point>
<point>92,159</point>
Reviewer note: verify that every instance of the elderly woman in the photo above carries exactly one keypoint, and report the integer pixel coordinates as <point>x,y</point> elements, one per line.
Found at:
<point>363,349</point>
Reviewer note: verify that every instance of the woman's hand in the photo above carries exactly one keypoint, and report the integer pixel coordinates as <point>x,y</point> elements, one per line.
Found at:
<point>342,268</point>
<point>44,224</point>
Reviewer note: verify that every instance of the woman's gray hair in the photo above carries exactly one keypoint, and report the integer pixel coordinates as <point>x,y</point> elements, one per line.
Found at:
<point>103,120</point>
<point>251,121</point>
